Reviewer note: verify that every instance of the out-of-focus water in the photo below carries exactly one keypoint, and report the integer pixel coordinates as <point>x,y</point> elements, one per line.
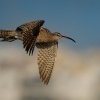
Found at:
<point>76,76</point>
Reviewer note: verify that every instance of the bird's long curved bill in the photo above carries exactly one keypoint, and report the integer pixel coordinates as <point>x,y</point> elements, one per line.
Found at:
<point>69,38</point>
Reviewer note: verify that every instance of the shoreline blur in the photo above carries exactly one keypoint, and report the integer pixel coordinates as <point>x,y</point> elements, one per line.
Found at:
<point>76,76</point>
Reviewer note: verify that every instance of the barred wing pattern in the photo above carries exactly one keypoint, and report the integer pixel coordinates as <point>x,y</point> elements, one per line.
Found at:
<point>29,41</point>
<point>30,32</point>
<point>46,59</point>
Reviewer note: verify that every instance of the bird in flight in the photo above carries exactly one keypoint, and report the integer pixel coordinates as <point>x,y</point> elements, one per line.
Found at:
<point>32,34</point>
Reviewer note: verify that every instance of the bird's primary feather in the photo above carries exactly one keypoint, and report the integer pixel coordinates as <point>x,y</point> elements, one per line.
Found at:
<point>46,59</point>
<point>30,32</point>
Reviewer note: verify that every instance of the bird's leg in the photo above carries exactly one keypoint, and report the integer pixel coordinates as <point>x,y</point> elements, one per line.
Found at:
<point>8,39</point>
<point>3,40</point>
<point>11,40</point>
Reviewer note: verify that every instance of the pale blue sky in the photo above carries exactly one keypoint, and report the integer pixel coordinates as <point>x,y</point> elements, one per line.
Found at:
<point>79,19</point>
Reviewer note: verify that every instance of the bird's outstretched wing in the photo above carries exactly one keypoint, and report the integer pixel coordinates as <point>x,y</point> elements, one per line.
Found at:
<point>30,32</point>
<point>46,59</point>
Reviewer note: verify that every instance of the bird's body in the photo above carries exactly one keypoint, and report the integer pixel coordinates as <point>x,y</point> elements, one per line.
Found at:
<point>32,34</point>
<point>44,35</point>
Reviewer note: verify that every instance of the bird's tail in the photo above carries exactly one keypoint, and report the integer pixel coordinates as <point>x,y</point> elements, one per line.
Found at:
<point>8,35</point>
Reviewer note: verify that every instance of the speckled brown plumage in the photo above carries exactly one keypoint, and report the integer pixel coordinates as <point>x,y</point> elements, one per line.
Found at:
<point>32,34</point>
<point>30,31</point>
<point>8,35</point>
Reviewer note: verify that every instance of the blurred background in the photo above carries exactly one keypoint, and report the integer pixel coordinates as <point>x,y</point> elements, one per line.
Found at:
<point>76,74</point>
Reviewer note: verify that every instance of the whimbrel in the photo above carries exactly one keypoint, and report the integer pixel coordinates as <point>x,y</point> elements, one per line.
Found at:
<point>32,34</point>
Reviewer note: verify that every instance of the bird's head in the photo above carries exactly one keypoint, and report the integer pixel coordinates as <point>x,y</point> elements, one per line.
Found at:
<point>57,36</point>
